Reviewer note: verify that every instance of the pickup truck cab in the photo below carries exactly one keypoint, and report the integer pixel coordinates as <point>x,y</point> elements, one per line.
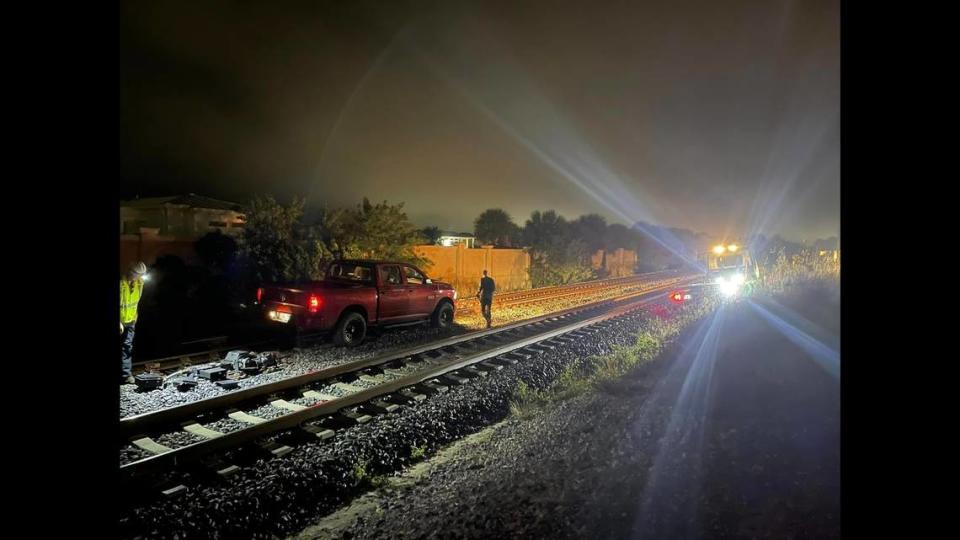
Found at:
<point>357,294</point>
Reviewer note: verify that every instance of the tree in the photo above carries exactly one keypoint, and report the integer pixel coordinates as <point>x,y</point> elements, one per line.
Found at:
<point>618,236</point>
<point>544,228</point>
<point>279,245</point>
<point>373,231</point>
<point>556,256</point>
<point>216,250</point>
<point>591,230</point>
<point>494,226</point>
<point>431,235</point>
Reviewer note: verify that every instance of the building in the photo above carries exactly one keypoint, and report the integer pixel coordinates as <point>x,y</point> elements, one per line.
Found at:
<point>183,217</point>
<point>456,239</point>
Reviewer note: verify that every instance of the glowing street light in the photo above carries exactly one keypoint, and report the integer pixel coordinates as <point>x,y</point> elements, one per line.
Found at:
<point>719,250</point>
<point>733,247</point>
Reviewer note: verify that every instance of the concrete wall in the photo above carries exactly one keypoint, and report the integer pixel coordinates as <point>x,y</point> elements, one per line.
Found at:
<point>463,267</point>
<point>617,263</point>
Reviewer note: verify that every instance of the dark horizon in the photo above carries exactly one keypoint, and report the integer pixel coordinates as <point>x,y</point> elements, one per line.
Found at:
<point>717,119</point>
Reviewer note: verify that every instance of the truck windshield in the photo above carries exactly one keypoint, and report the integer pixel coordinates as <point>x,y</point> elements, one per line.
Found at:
<point>730,261</point>
<point>350,272</point>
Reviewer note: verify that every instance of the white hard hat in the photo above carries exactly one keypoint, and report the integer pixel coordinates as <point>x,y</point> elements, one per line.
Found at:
<point>138,268</point>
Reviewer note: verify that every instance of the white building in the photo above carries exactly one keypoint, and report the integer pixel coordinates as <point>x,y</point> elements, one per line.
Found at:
<point>455,239</point>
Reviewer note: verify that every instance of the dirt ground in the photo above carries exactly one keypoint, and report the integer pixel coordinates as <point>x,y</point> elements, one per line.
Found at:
<point>735,433</point>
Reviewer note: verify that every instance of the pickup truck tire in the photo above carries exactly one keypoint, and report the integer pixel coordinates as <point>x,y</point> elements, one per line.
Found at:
<point>442,316</point>
<point>351,330</point>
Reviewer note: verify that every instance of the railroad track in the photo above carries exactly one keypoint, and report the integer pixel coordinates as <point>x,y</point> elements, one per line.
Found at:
<point>343,395</point>
<point>529,296</point>
<point>174,363</point>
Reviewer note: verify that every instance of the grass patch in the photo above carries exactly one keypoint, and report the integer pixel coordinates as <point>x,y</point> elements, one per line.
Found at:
<point>587,375</point>
<point>525,400</point>
<point>362,475</point>
<point>417,452</point>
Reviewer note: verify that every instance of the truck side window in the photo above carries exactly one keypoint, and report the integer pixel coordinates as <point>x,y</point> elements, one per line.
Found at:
<point>413,276</point>
<point>390,275</point>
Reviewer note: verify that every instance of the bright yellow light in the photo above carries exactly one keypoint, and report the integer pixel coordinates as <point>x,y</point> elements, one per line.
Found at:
<point>719,249</point>
<point>733,247</point>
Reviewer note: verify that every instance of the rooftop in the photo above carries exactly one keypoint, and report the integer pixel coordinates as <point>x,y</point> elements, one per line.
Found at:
<point>191,200</point>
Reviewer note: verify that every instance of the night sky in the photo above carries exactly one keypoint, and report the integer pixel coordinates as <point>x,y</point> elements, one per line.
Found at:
<point>721,117</point>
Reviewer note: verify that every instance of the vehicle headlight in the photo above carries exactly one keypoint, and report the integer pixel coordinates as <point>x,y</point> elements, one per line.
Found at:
<point>728,288</point>
<point>738,278</point>
<point>719,280</point>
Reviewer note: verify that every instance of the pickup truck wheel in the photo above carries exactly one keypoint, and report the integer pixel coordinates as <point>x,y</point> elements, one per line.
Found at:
<point>351,330</point>
<point>443,315</point>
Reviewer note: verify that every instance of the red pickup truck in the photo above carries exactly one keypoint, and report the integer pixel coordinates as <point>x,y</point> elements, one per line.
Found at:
<point>357,294</point>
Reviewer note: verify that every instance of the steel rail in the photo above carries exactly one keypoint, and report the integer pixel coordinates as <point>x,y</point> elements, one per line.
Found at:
<point>193,452</point>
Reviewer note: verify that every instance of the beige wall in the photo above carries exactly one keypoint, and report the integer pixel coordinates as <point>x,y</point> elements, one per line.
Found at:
<point>463,267</point>
<point>618,263</point>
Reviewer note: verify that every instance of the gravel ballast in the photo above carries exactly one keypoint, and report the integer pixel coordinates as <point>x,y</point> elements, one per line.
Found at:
<point>280,496</point>
<point>738,441</point>
<point>294,363</point>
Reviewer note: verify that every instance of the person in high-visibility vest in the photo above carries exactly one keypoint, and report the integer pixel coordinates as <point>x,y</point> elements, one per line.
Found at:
<point>131,288</point>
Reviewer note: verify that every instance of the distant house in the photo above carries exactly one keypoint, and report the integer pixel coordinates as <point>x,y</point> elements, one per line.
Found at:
<point>182,217</point>
<point>455,239</point>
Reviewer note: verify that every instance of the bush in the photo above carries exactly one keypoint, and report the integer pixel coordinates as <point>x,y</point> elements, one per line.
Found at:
<point>803,268</point>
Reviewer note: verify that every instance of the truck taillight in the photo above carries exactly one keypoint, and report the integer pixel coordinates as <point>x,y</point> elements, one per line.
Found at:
<point>259,295</point>
<point>313,303</point>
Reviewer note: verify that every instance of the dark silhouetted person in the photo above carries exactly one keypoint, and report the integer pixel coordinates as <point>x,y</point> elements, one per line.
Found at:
<point>485,293</point>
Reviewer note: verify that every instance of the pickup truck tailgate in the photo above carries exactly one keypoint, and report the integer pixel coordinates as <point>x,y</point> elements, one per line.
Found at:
<point>284,300</point>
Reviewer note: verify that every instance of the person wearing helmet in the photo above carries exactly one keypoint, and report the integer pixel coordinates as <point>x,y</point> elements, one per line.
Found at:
<point>131,288</point>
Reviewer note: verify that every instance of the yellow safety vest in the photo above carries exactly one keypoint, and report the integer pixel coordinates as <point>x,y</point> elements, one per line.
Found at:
<point>129,298</point>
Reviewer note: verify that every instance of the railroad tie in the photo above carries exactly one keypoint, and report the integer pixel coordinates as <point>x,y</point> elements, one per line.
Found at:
<point>241,416</point>
<point>476,371</point>
<point>313,394</point>
<point>348,387</point>
<point>151,445</point>
<point>201,431</point>
<point>318,432</point>
<point>284,404</point>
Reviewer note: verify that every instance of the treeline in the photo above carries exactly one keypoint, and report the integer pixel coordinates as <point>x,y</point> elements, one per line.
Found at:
<point>286,243</point>
<point>561,249</point>
<point>280,243</point>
